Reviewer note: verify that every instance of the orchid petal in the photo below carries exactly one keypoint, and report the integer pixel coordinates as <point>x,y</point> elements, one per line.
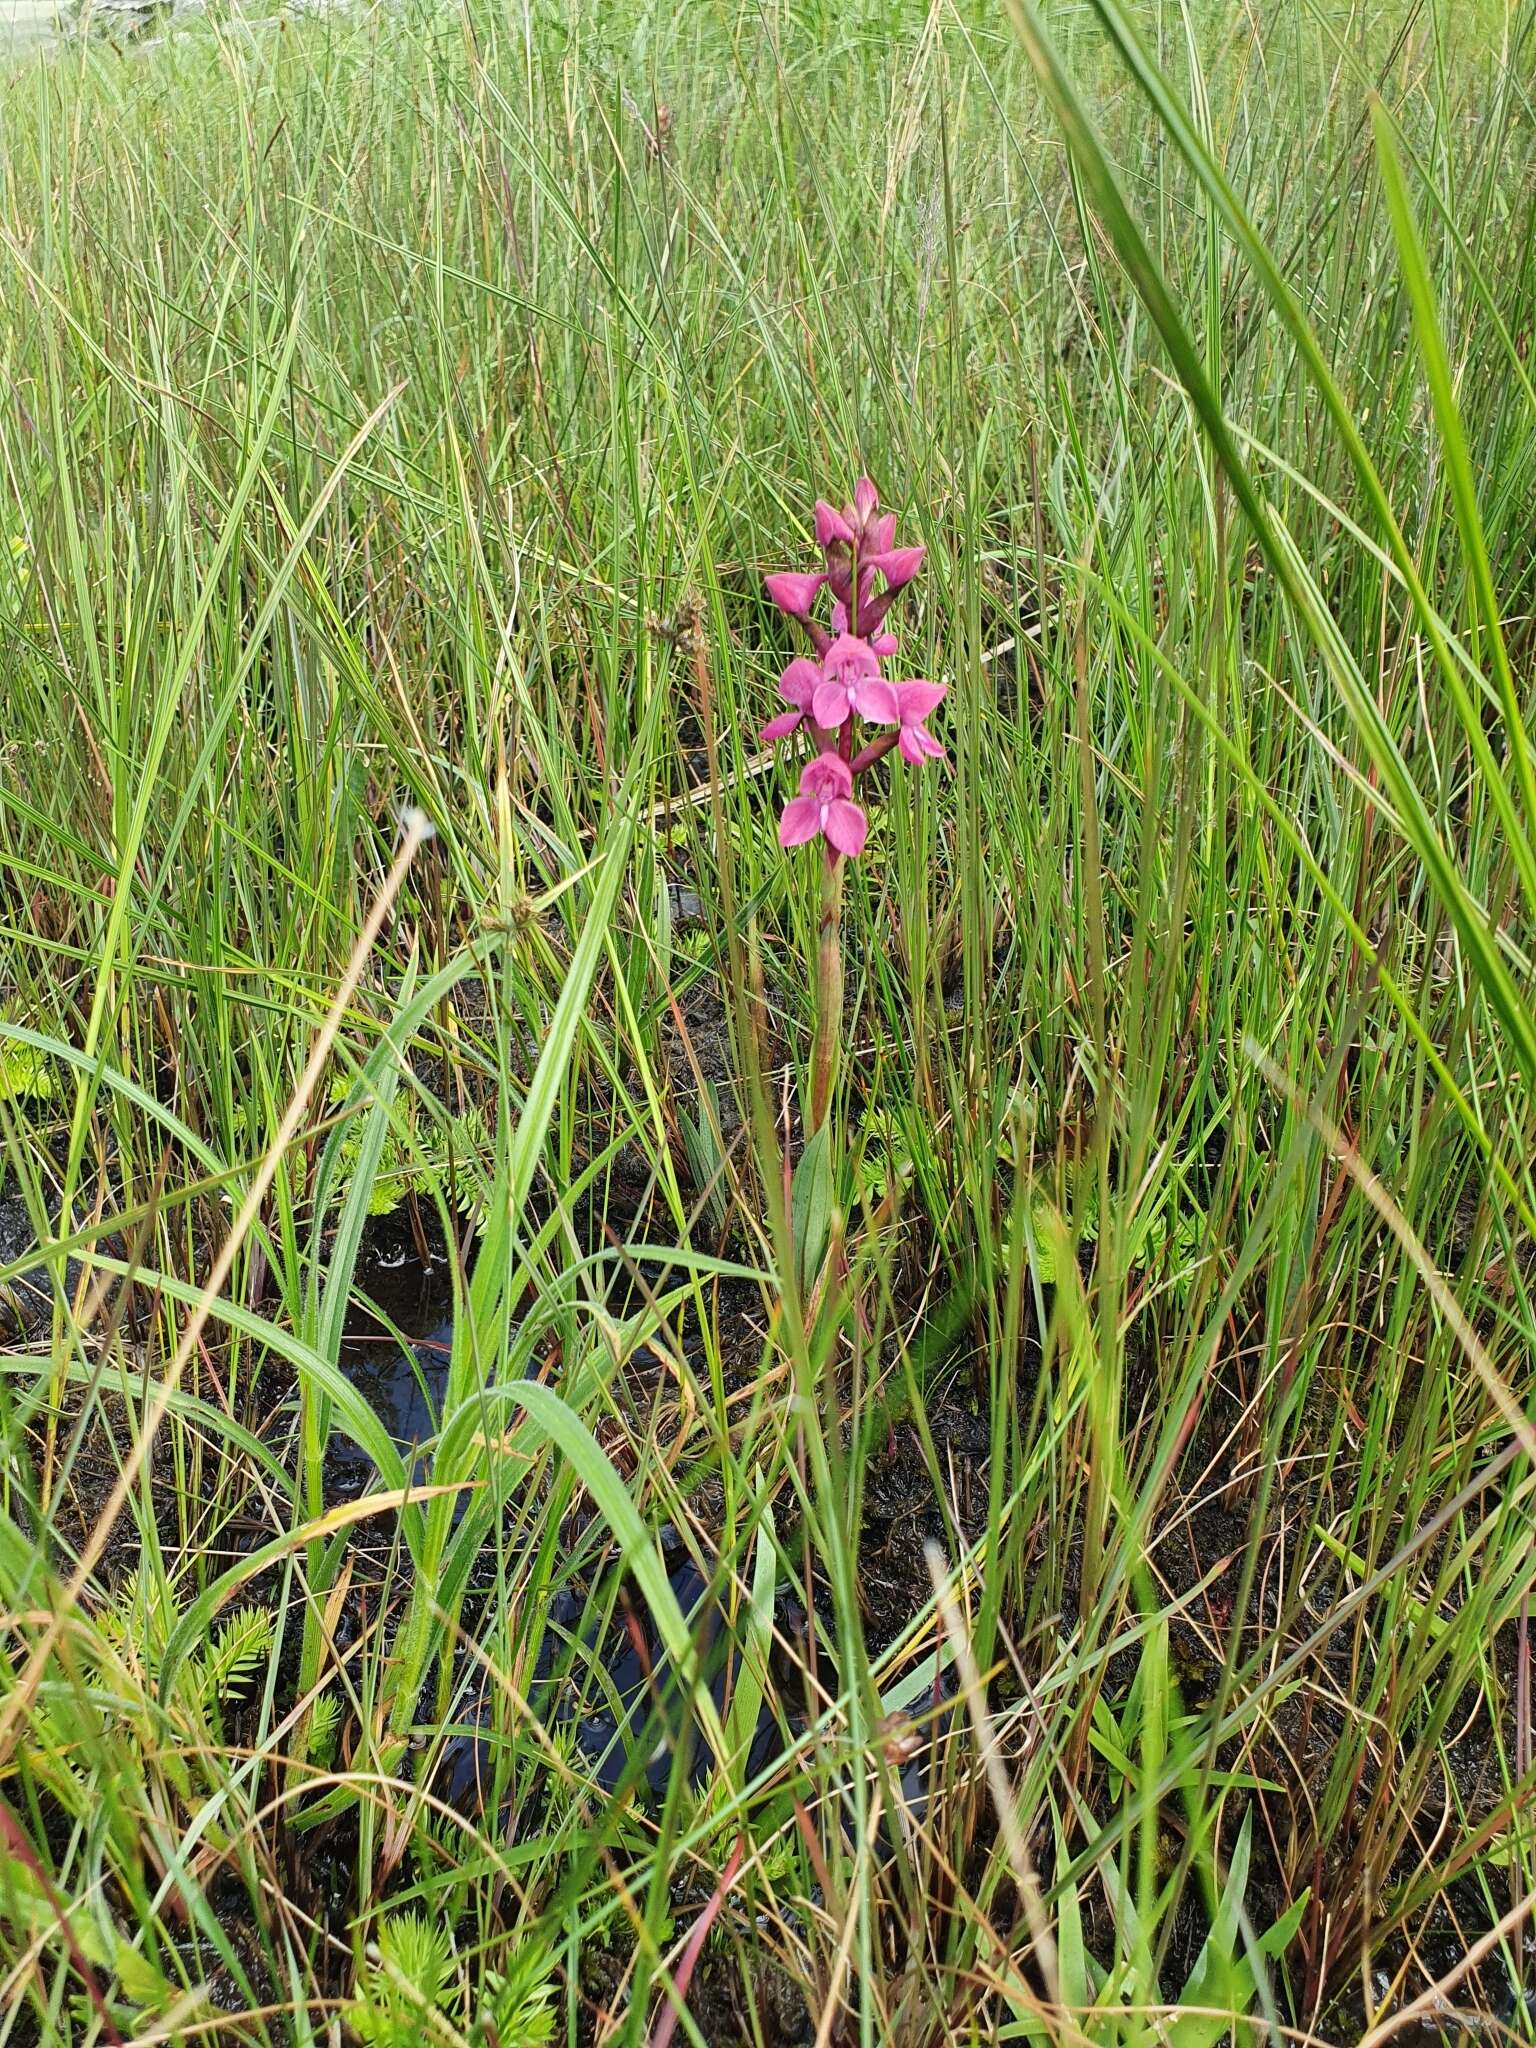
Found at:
<point>846,827</point>
<point>798,682</point>
<point>826,777</point>
<point>830,706</point>
<point>882,534</point>
<point>910,746</point>
<point>781,727</point>
<point>849,655</point>
<point>831,525</point>
<point>917,699</point>
<point>874,699</point>
<point>801,821</point>
<point>866,500</point>
<point>884,643</point>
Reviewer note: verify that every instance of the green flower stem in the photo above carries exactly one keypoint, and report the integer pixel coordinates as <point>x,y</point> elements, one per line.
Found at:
<point>829,993</point>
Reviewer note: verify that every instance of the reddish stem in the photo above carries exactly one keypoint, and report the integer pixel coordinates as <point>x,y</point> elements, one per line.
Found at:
<point>666,2024</point>
<point>21,1849</point>
<point>875,751</point>
<point>829,992</point>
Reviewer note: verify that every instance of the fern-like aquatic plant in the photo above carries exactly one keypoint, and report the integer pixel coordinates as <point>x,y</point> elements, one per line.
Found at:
<point>409,1976</point>
<point>405,1978</point>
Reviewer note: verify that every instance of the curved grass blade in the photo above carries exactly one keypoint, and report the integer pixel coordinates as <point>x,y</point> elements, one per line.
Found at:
<point>1470,917</point>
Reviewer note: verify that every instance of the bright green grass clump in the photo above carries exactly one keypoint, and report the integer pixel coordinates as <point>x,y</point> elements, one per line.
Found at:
<point>401,405</point>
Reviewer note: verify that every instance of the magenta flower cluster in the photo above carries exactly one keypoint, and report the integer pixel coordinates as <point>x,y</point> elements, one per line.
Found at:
<point>865,572</point>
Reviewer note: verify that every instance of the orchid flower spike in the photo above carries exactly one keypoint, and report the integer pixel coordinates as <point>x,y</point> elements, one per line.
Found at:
<point>824,807</point>
<point>864,573</point>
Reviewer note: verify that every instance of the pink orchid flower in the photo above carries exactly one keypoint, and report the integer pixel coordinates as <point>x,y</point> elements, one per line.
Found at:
<point>914,702</point>
<point>824,806</point>
<point>851,682</point>
<point>797,686</point>
<point>793,591</point>
<point>897,565</point>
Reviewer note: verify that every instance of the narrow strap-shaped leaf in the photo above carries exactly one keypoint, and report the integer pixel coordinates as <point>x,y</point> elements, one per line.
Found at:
<point>571,1437</point>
